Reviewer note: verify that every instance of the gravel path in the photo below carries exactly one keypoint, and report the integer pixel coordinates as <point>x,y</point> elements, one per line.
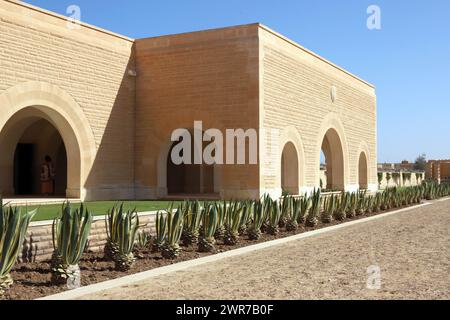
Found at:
<point>412,250</point>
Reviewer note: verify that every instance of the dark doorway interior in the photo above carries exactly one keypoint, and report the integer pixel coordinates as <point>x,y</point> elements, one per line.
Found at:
<point>23,169</point>
<point>184,178</point>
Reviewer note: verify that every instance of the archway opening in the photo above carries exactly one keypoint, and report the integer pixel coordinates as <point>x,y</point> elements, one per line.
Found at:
<point>362,171</point>
<point>332,162</point>
<point>26,139</point>
<point>289,170</point>
<point>189,179</point>
<point>39,140</point>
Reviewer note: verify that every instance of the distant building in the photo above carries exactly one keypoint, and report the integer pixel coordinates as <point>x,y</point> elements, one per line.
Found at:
<point>438,170</point>
<point>403,166</point>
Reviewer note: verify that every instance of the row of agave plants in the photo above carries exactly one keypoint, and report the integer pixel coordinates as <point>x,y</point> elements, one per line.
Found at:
<point>193,223</point>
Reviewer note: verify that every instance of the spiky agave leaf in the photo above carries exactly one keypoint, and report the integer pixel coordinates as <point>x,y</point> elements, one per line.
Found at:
<point>70,234</point>
<point>259,217</point>
<point>171,248</point>
<point>311,219</point>
<point>294,214</point>
<point>161,230</point>
<point>273,212</point>
<point>285,208</point>
<point>329,207</point>
<point>361,204</point>
<point>341,207</point>
<point>13,227</point>
<point>352,204</point>
<point>247,213</point>
<point>232,223</point>
<point>222,209</point>
<point>192,223</point>
<point>209,226</point>
<point>305,204</point>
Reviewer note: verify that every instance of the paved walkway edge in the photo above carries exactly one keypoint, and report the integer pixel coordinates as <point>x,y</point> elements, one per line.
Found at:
<point>127,280</point>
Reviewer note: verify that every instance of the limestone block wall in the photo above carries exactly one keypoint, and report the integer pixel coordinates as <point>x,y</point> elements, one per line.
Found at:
<point>86,64</point>
<point>38,245</point>
<point>399,180</point>
<point>209,76</point>
<point>302,95</point>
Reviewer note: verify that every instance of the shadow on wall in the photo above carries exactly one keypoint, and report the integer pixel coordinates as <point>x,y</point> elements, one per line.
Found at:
<point>112,173</point>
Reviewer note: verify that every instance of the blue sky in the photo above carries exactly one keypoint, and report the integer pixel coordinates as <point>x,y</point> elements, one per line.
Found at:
<point>408,59</point>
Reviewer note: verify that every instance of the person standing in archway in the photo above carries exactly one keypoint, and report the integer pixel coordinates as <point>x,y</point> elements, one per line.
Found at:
<point>48,177</point>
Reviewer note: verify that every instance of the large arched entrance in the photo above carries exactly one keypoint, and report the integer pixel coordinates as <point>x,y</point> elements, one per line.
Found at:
<point>362,172</point>
<point>38,118</point>
<point>334,160</point>
<point>26,140</point>
<point>289,170</point>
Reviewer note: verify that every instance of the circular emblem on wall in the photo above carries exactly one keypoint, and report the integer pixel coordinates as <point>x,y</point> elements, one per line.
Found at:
<point>333,93</point>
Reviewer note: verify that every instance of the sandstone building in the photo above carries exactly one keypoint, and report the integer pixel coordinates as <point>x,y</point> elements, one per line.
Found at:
<point>438,170</point>
<point>103,106</point>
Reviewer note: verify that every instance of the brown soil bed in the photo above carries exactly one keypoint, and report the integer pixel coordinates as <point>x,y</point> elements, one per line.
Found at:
<point>33,280</point>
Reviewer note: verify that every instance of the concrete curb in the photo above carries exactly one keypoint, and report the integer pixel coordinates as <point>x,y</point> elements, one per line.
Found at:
<point>98,287</point>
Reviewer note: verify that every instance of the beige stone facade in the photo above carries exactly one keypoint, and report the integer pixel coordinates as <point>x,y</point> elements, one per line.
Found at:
<point>112,103</point>
<point>438,170</point>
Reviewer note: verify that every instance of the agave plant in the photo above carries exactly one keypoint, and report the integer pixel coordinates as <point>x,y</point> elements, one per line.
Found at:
<point>352,205</point>
<point>430,190</point>
<point>385,200</point>
<point>232,223</point>
<point>329,207</point>
<point>171,247</point>
<point>294,214</point>
<point>377,201</point>
<point>221,209</point>
<point>361,206</point>
<point>259,217</point>
<point>70,234</point>
<point>144,240</point>
<point>161,231</point>
<point>368,204</point>
<point>341,207</point>
<point>305,204</point>
<point>192,223</point>
<point>209,227</point>
<point>314,211</point>
<point>285,207</point>
<point>247,212</point>
<point>13,227</point>
<point>121,229</point>
<point>273,213</point>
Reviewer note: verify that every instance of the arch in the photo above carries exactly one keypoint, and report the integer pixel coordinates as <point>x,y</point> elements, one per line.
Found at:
<point>362,172</point>
<point>362,165</point>
<point>209,176</point>
<point>291,137</point>
<point>27,102</point>
<point>289,170</point>
<point>332,141</point>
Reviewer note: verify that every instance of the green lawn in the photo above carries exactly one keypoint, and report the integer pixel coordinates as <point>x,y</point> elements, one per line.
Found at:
<point>98,208</point>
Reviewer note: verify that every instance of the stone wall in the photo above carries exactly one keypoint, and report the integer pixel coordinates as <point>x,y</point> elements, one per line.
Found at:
<point>38,244</point>
<point>302,96</point>
<point>399,181</point>
<point>209,76</point>
<point>86,63</point>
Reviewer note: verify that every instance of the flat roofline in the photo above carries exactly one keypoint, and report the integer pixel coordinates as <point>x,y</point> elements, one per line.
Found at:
<point>255,24</point>
<point>62,17</point>
<point>264,27</point>
<point>313,54</point>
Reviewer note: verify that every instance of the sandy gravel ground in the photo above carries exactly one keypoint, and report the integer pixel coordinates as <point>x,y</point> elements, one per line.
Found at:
<point>412,250</point>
